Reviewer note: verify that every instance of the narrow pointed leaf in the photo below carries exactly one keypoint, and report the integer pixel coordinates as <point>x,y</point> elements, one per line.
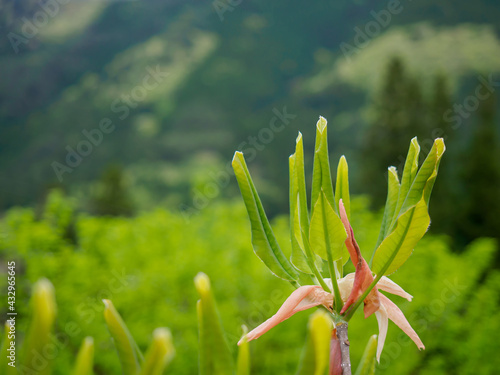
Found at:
<point>368,361</point>
<point>315,357</point>
<point>424,181</point>
<point>264,242</point>
<point>329,237</point>
<point>215,356</point>
<point>300,183</point>
<point>124,342</point>
<point>398,246</point>
<point>390,204</point>
<point>243,364</point>
<point>85,358</point>
<point>322,179</point>
<point>298,257</point>
<point>159,354</point>
<point>44,314</point>
<point>342,186</point>
<point>409,173</point>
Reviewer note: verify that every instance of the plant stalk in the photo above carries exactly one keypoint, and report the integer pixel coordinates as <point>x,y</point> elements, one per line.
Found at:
<point>344,347</point>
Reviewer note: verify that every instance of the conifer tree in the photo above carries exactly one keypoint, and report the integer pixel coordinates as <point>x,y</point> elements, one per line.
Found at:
<point>398,114</point>
<point>481,177</point>
<point>111,197</point>
<point>446,190</point>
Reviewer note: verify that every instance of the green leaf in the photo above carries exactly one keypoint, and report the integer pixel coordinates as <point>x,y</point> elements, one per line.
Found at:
<point>321,167</point>
<point>409,173</point>
<point>298,257</point>
<point>327,233</point>
<point>5,368</point>
<point>85,358</point>
<point>44,314</point>
<point>390,204</point>
<point>299,217</point>
<point>243,364</point>
<point>300,182</point>
<point>264,242</point>
<point>342,186</point>
<point>215,356</point>
<point>398,246</point>
<point>315,357</point>
<point>128,352</point>
<point>368,361</point>
<point>160,353</point>
<point>424,181</point>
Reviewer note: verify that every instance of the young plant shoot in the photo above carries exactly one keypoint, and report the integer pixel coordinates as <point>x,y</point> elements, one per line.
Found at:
<point>322,241</point>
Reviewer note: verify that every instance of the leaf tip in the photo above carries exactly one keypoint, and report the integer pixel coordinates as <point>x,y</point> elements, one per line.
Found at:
<point>321,124</point>
<point>243,338</point>
<point>299,137</point>
<point>237,155</point>
<point>202,283</point>
<point>439,142</point>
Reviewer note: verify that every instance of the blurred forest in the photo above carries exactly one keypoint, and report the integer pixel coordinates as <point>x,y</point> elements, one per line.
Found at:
<point>118,121</point>
<point>228,71</point>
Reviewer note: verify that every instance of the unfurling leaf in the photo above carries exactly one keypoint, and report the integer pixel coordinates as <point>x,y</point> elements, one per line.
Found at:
<point>263,240</point>
<point>315,358</point>
<point>160,353</point>
<point>44,314</point>
<point>393,187</point>
<point>243,363</point>
<point>342,186</point>
<point>215,356</point>
<point>299,217</point>
<point>128,352</point>
<point>327,234</point>
<point>368,361</point>
<point>398,246</point>
<point>85,358</point>
<point>322,179</point>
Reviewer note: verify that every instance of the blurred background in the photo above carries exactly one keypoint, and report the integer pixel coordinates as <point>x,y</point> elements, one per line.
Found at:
<point>119,119</point>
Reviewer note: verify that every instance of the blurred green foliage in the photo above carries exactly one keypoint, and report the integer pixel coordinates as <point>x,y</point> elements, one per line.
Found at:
<point>225,79</point>
<point>146,266</point>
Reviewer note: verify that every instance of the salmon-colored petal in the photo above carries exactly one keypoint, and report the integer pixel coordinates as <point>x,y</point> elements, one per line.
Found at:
<point>372,302</point>
<point>350,241</point>
<point>397,316</point>
<point>383,323</point>
<point>335,355</point>
<point>302,298</point>
<point>387,285</point>
<point>345,285</point>
<point>363,276</point>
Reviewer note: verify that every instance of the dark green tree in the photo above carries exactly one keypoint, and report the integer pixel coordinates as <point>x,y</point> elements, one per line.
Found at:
<point>399,112</point>
<point>111,196</point>
<point>446,189</point>
<point>481,177</point>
